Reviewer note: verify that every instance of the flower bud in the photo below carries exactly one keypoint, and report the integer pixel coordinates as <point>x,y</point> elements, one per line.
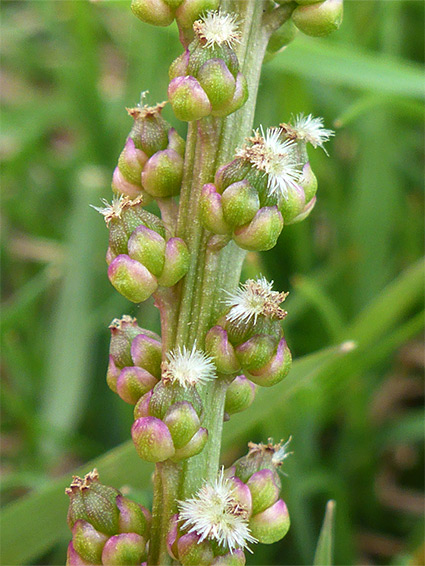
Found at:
<point>133,383</point>
<point>88,542</point>
<point>282,37</point>
<point>146,353</point>
<point>148,248</point>
<point>236,558</point>
<point>264,490</point>
<point>152,439</point>
<point>182,422</point>
<point>262,232</point>
<point>127,175</point>
<point>142,406</point>
<point>131,279</point>
<point>218,84</point>
<point>319,19</point>
<point>126,548</point>
<point>188,99</point>
<point>194,552</point>
<point>176,262</point>
<point>163,173</point>
<point>270,525</point>
<point>261,457</point>
<point>240,203</point>
<point>123,332</point>
<point>221,350</point>
<point>193,447</point>
<point>276,369</point>
<point>256,351</point>
<point>133,518</point>
<point>212,216</point>
<point>74,559</point>
<point>239,395</point>
<point>154,12</point>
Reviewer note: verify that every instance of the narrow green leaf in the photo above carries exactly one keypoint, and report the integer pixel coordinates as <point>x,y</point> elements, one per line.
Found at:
<point>324,550</point>
<point>331,63</point>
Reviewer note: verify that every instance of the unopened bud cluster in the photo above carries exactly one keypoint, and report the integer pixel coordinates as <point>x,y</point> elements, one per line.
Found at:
<point>107,528</point>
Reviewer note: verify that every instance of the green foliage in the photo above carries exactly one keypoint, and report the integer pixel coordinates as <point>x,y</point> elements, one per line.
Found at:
<point>353,270</point>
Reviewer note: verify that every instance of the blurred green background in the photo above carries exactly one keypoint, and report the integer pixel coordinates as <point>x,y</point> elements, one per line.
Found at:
<point>354,270</point>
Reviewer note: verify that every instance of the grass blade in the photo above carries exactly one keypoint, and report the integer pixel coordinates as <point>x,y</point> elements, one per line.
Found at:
<point>324,550</point>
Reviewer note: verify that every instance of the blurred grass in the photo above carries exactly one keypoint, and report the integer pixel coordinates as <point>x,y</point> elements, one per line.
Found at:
<point>353,268</point>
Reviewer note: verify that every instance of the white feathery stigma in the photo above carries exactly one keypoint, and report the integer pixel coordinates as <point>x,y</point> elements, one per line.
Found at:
<point>215,513</point>
<point>281,452</point>
<point>276,157</point>
<point>110,210</point>
<point>253,298</point>
<point>217,28</point>
<point>188,367</point>
<point>311,130</point>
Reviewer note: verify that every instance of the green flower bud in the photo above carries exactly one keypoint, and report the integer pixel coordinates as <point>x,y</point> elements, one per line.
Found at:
<point>319,19</point>
<point>282,37</point>
<point>188,99</point>
<point>276,369</point>
<point>239,395</point>
<point>264,490</point>
<point>236,558</point>
<point>218,83</point>
<point>176,262</point>
<point>212,216</point>
<point>240,203</point>
<point>133,383</point>
<point>123,332</point>
<point>134,518</point>
<point>146,352</point>
<point>148,248</point>
<point>74,559</point>
<point>154,12</point>
<point>221,350</point>
<point>182,422</point>
<point>88,542</point>
<point>262,232</point>
<point>193,552</point>
<point>163,173</point>
<point>272,524</point>
<point>127,175</point>
<point>188,12</point>
<point>124,549</point>
<point>261,457</point>
<point>256,351</point>
<point>131,279</point>
<point>152,439</point>
<point>193,447</point>
<point>142,406</point>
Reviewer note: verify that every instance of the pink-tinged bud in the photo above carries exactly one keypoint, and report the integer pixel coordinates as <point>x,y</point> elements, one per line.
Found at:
<point>152,439</point>
<point>182,422</point>
<point>146,353</point>
<point>176,142</point>
<point>123,549</point>
<point>235,558</point>
<point>262,232</point>
<point>276,369</point>
<point>256,351</point>
<point>240,96</point>
<point>307,209</point>
<point>193,447</point>
<point>131,279</point>
<point>88,542</point>
<point>319,19</point>
<point>192,552</point>
<point>272,524</point>
<point>264,490</point>
<point>154,12</point>
<point>133,517</point>
<point>142,406</point>
<point>221,350</point>
<point>163,173</point>
<point>74,559</point>
<point>131,162</point>
<point>123,332</point>
<point>293,204</point>
<point>282,37</point>
<point>242,494</point>
<point>239,395</point>
<point>212,211</point>
<point>148,248</point>
<point>173,3</point>
<point>176,262</point>
<point>172,538</point>
<point>150,130</point>
<point>178,67</point>
<point>218,83</point>
<point>308,182</point>
<point>240,203</point>
<point>112,375</point>
<point>121,186</point>
<point>166,394</point>
<point>188,99</point>
<point>133,383</point>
